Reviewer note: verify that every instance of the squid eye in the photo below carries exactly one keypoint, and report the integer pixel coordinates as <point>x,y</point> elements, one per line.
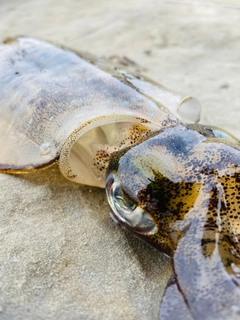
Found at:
<point>126,211</point>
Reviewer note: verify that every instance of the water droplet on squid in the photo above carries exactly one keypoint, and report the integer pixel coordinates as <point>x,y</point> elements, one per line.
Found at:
<point>236,270</point>
<point>45,149</point>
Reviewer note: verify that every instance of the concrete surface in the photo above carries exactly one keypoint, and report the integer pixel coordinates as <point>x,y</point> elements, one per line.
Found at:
<point>61,256</point>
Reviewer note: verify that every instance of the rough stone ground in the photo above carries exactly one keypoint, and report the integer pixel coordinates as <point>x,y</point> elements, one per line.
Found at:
<point>61,256</point>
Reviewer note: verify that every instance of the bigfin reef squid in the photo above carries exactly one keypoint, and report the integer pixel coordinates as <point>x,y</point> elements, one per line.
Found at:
<point>172,182</point>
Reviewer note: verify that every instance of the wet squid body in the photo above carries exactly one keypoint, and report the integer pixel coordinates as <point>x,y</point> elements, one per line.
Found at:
<point>172,182</point>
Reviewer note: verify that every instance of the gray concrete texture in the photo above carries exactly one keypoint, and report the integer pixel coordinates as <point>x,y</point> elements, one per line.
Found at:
<point>61,256</point>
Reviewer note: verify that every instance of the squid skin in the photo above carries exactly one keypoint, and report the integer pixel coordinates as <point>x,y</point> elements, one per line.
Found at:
<point>180,191</point>
<point>72,108</point>
<point>170,181</point>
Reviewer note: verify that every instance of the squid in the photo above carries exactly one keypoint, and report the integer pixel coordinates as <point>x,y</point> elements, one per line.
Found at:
<point>170,181</point>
